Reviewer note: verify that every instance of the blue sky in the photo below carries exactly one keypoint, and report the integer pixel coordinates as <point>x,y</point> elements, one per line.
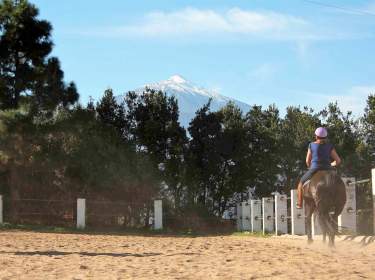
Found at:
<point>287,52</point>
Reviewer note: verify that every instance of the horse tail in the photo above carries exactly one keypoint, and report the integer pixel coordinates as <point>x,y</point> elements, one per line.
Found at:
<point>340,201</point>
<point>334,223</point>
<point>331,199</point>
<point>323,200</point>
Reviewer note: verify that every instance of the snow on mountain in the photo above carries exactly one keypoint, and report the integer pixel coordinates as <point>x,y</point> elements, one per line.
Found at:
<point>191,97</point>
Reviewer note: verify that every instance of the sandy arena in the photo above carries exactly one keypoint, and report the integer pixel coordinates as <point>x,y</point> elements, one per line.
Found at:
<point>30,255</point>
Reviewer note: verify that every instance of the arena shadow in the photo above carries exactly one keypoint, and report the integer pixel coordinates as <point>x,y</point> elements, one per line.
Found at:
<point>90,254</point>
<point>119,232</point>
<point>363,240</point>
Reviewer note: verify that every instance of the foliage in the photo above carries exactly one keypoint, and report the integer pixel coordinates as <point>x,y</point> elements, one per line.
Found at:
<point>264,137</point>
<point>25,69</point>
<point>368,121</point>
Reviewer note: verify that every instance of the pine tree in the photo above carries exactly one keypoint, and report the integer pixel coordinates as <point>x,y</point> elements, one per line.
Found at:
<point>203,158</point>
<point>25,70</point>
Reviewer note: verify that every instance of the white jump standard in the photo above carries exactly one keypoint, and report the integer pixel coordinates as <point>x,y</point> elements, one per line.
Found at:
<point>246,215</point>
<point>268,215</point>
<point>281,214</point>
<point>297,215</point>
<point>256,215</point>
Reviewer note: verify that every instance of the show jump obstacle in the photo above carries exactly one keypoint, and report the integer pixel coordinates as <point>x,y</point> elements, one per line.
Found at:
<point>270,215</point>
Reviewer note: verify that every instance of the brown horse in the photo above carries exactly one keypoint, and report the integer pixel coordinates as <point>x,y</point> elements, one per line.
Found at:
<point>324,194</point>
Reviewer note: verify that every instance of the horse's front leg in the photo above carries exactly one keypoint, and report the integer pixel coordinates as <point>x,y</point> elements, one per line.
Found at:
<point>309,210</point>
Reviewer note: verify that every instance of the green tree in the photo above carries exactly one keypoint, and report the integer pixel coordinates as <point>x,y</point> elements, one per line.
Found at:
<point>111,113</point>
<point>343,134</point>
<point>367,146</point>
<point>71,154</point>
<point>262,128</point>
<point>49,89</point>
<point>152,124</point>
<point>203,158</point>
<point>25,43</point>
<point>25,70</point>
<point>233,174</point>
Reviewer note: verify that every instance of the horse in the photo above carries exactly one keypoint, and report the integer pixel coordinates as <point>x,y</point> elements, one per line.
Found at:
<point>324,194</point>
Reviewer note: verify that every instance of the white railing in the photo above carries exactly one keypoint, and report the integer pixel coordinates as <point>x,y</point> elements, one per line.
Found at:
<point>268,215</point>
<point>82,214</point>
<point>157,219</point>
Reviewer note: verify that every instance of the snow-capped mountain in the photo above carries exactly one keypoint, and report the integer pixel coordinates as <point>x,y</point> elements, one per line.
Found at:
<point>191,97</point>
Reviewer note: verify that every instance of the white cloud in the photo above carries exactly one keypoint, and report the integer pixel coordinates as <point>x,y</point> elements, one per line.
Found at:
<point>263,72</point>
<point>193,22</point>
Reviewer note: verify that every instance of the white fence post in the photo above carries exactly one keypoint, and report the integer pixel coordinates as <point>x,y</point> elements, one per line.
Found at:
<point>246,213</point>
<point>239,217</point>
<point>348,217</point>
<point>281,214</point>
<point>268,216</point>
<point>256,219</point>
<point>373,196</point>
<point>158,214</point>
<point>1,210</point>
<point>81,213</point>
<point>297,215</point>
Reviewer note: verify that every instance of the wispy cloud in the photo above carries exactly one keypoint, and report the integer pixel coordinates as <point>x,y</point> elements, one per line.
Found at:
<point>206,22</point>
<point>263,72</point>
<point>369,8</point>
<point>353,100</point>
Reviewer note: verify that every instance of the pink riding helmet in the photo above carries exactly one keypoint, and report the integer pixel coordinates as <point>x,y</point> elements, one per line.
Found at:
<point>321,132</point>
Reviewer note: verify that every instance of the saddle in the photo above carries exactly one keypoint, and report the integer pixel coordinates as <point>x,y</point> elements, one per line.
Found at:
<point>308,190</point>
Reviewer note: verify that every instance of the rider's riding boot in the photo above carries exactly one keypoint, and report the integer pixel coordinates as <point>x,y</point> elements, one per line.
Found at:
<point>299,196</point>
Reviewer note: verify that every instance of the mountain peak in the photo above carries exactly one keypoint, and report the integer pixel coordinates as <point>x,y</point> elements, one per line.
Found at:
<point>191,97</point>
<point>177,79</point>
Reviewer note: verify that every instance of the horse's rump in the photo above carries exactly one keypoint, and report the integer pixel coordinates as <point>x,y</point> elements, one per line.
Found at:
<point>323,181</point>
<point>326,195</point>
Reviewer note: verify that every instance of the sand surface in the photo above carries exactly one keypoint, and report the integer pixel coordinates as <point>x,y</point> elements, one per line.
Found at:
<point>30,255</point>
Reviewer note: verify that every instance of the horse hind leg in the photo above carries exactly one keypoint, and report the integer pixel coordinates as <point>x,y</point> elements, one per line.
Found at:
<point>328,228</point>
<point>332,225</point>
<point>333,229</point>
<point>309,210</point>
<point>323,228</point>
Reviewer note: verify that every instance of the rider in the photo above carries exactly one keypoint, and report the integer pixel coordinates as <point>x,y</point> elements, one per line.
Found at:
<point>319,157</point>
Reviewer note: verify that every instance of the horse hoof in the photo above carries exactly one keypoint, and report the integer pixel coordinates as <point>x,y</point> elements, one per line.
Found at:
<point>310,241</point>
